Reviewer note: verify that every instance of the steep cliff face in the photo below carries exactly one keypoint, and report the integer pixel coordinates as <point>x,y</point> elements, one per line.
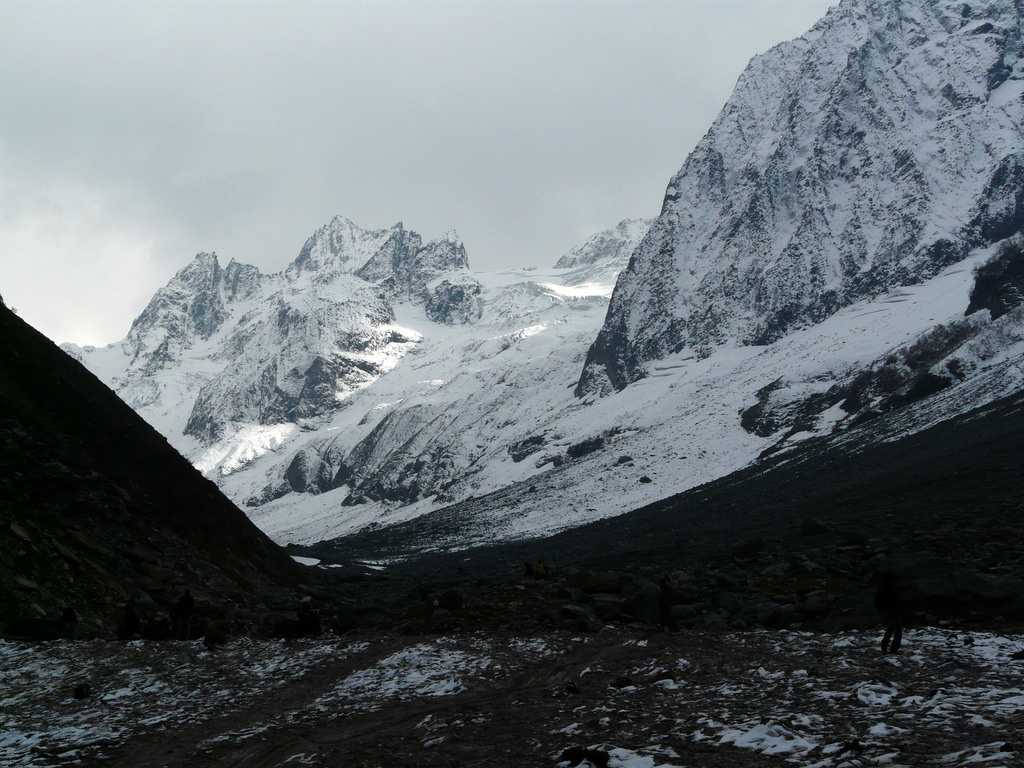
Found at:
<point>190,308</point>
<point>873,152</point>
<point>483,390</point>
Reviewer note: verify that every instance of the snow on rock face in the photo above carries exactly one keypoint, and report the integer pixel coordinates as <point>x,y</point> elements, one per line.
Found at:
<point>615,244</point>
<point>872,152</point>
<point>455,301</point>
<point>444,255</point>
<point>970,359</point>
<point>432,428</point>
<point>299,358</point>
<point>812,266</point>
<point>505,445</point>
<point>233,365</point>
<point>343,247</point>
<point>223,357</point>
<point>191,307</point>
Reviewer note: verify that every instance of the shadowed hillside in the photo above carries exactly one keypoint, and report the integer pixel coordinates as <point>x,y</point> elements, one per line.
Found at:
<point>96,507</point>
<point>794,539</point>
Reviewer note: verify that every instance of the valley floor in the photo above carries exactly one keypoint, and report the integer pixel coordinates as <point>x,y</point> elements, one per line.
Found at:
<point>637,700</point>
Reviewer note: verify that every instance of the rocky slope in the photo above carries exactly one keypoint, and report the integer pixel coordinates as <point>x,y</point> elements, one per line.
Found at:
<point>264,381</point>
<point>96,508</point>
<point>873,152</point>
<point>233,346</point>
<point>840,248</point>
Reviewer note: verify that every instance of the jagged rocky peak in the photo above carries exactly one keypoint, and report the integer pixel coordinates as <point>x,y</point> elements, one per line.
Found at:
<point>292,359</point>
<point>445,254</point>
<point>240,280</point>
<point>192,305</point>
<point>844,163</point>
<point>438,257</point>
<point>338,247</point>
<point>614,244</point>
<point>396,258</point>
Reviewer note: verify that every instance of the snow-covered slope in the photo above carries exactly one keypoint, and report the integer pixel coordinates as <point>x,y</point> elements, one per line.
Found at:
<point>836,250</point>
<point>681,426</point>
<point>374,367</point>
<point>874,151</point>
<point>812,268</point>
<point>221,352</point>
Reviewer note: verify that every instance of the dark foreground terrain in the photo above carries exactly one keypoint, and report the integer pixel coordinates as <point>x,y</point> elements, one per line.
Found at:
<point>719,627</point>
<point>624,699</point>
<point>793,541</point>
<point>97,509</point>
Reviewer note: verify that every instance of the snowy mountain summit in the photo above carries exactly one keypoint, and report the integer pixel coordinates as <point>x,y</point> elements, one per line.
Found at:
<point>839,259</point>
<point>266,372</point>
<point>874,151</point>
<point>228,345</point>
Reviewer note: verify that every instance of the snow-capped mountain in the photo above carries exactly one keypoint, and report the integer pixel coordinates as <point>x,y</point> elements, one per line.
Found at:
<point>228,346</point>
<point>838,251</point>
<point>874,151</point>
<point>235,366</point>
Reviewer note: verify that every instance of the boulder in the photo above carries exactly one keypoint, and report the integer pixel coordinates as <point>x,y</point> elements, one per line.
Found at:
<point>607,607</point>
<point>643,601</point>
<point>451,600</point>
<point>580,618</point>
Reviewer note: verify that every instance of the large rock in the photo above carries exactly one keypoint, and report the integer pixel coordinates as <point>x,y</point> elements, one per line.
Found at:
<point>454,301</point>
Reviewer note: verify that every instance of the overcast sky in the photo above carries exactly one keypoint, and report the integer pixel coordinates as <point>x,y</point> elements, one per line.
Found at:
<point>133,135</point>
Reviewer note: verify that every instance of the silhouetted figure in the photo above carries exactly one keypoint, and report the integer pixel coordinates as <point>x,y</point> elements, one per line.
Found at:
<point>309,624</point>
<point>183,611</point>
<point>69,623</point>
<point>665,604</point>
<point>890,607</point>
<point>130,623</point>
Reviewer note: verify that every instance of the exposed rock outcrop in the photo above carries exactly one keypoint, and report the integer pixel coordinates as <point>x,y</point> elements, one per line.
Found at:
<point>840,167</point>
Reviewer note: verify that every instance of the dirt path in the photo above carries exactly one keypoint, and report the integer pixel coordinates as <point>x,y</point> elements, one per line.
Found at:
<point>183,746</point>
<point>502,721</point>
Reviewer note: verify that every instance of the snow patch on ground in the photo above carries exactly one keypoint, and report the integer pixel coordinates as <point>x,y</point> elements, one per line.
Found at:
<point>427,669</point>
<point>136,687</point>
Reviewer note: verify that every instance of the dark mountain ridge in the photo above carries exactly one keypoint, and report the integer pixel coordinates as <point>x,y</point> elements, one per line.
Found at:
<point>96,507</point>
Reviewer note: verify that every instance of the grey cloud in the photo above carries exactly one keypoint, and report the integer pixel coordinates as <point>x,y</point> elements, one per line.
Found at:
<point>134,134</point>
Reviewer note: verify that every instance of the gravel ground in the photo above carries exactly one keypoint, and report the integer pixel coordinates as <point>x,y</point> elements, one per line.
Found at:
<point>618,697</point>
